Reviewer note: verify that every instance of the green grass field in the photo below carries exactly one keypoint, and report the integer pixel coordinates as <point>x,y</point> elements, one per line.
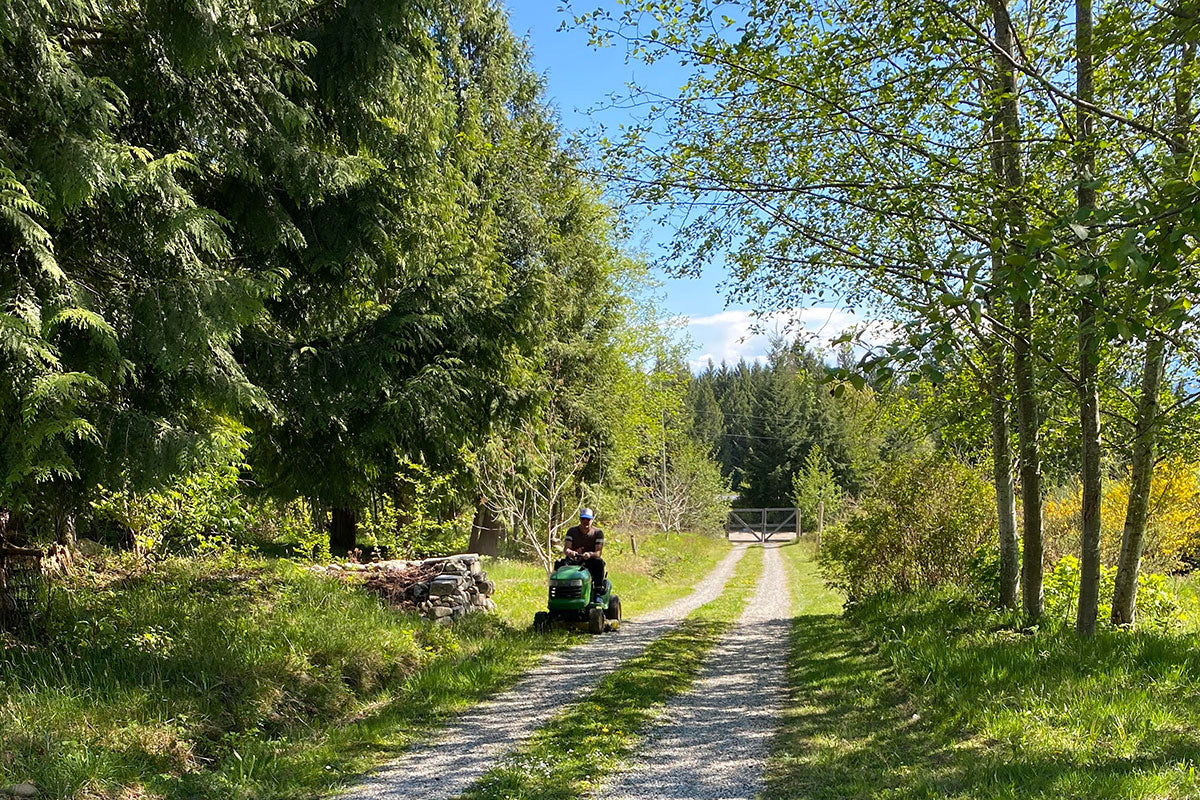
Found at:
<point>255,678</point>
<point>933,697</point>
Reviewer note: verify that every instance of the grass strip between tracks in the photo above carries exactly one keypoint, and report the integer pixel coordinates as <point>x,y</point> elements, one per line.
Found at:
<point>589,740</point>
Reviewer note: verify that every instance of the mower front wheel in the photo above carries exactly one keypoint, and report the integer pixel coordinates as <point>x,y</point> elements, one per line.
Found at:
<point>596,620</point>
<point>541,621</point>
<point>614,608</point>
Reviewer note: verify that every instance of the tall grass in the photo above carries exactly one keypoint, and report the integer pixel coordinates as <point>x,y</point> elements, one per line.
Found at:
<point>1116,715</point>
<point>254,678</point>
<point>1186,591</point>
<point>929,695</point>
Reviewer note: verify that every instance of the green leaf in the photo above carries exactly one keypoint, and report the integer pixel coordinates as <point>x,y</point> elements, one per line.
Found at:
<point>950,300</point>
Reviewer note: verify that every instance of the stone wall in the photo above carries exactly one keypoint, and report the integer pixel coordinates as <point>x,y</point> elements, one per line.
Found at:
<point>442,589</point>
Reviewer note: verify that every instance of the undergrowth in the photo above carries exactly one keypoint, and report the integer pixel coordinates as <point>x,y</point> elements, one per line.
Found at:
<point>1115,715</point>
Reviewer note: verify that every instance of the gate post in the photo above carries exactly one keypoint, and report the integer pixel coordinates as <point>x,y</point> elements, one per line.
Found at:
<point>820,522</point>
<point>762,531</point>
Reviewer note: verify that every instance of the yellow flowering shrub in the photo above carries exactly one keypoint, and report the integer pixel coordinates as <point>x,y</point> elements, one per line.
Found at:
<point>1172,526</point>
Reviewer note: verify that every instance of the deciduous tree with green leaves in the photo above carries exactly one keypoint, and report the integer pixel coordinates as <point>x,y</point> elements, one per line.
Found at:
<point>857,151</point>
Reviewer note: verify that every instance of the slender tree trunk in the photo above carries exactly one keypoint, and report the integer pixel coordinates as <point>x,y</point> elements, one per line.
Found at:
<point>1002,466</point>
<point>1124,607</point>
<point>343,530</point>
<point>12,527</point>
<point>1134,536</point>
<point>1032,599</point>
<point>1021,287</point>
<point>1002,477</point>
<point>404,500</point>
<point>1089,340</point>
<point>64,529</point>
<point>1089,416</point>
<point>820,521</point>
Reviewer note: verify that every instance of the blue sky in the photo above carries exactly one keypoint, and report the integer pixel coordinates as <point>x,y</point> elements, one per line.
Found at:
<point>579,79</point>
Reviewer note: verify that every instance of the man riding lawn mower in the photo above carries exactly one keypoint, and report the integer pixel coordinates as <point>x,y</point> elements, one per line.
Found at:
<point>580,594</point>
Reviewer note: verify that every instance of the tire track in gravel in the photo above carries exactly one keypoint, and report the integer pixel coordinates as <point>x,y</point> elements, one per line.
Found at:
<point>713,741</point>
<point>460,754</point>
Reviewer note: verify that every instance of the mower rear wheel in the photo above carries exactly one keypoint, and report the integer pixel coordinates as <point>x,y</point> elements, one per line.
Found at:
<point>614,608</point>
<point>596,620</point>
<point>541,621</point>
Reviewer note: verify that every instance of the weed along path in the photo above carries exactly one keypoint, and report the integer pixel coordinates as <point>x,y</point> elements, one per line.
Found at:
<point>451,762</point>
<point>713,740</point>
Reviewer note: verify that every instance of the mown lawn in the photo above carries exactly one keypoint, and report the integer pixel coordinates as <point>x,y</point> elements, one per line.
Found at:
<point>255,678</point>
<point>663,570</point>
<point>934,697</point>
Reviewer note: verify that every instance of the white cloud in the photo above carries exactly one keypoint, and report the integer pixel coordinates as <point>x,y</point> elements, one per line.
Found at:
<point>737,334</point>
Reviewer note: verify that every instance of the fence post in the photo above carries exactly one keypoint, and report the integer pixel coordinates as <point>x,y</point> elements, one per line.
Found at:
<point>799,527</point>
<point>762,532</point>
<point>820,522</point>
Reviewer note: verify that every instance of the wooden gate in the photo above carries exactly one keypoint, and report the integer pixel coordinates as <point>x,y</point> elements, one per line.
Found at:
<point>764,523</point>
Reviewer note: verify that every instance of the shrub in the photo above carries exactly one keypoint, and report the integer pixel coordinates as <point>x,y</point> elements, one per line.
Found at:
<point>1156,606</point>
<point>211,511</point>
<point>292,526</point>
<point>415,527</point>
<point>1172,525</point>
<point>204,511</point>
<point>921,528</point>
<point>983,573</point>
<point>814,485</point>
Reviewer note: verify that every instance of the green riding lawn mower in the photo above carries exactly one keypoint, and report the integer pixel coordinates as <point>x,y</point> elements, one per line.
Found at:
<point>574,602</point>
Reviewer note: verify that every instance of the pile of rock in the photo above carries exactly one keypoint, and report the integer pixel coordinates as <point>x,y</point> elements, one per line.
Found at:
<point>442,589</point>
<point>462,588</point>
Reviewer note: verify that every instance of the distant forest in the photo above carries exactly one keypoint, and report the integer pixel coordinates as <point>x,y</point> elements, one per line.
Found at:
<point>762,420</point>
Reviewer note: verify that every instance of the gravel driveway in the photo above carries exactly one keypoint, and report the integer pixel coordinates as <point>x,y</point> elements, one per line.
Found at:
<point>712,741</point>
<point>472,744</point>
